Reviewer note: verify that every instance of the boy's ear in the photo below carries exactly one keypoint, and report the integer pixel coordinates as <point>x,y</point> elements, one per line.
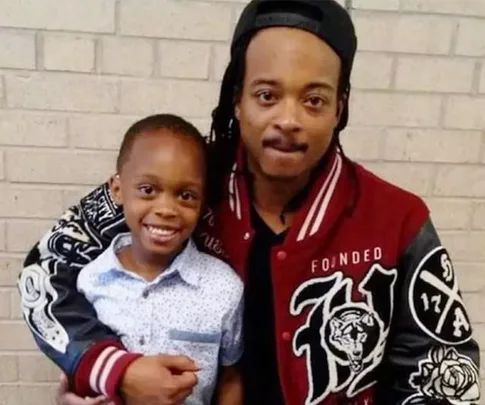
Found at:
<point>115,188</point>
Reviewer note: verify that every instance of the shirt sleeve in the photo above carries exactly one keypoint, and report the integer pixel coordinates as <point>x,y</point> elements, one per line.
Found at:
<point>232,333</point>
<point>431,356</point>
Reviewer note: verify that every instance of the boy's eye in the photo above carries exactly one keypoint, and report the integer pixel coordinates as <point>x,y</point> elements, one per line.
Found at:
<point>187,196</point>
<point>146,189</point>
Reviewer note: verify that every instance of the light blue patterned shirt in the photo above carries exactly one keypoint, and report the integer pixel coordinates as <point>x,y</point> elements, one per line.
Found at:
<point>193,308</point>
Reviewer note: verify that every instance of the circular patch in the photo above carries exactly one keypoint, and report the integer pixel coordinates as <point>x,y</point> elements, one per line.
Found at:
<point>435,301</point>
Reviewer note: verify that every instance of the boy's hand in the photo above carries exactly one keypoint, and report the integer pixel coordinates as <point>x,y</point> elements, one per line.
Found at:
<point>159,380</point>
<point>64,397</point>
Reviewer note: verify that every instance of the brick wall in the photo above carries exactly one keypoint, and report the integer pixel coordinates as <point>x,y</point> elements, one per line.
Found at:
<point>75,73</point>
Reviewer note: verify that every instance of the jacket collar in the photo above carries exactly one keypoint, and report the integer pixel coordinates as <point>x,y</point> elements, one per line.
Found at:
<point>323,201</point>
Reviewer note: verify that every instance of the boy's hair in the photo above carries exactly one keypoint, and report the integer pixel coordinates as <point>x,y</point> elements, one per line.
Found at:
<point>169,122</point>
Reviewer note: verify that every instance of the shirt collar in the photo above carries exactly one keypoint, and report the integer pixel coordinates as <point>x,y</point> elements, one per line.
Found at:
<point>184,264</point>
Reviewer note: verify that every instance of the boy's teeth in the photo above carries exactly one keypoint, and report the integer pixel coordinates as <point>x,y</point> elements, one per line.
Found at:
<point>161,231</point>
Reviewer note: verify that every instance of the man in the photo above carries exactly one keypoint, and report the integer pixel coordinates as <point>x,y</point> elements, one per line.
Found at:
<point>350,297</point>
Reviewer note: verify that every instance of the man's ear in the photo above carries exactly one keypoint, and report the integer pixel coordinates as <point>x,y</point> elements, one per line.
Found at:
<point>237,111</point>
<point>115,188</point>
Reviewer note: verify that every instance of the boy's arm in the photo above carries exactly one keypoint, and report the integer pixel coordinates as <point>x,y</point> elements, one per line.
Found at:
<point>229,387</point>
<point>63,323</point>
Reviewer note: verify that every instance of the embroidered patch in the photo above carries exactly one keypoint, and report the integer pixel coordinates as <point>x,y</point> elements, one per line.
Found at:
<point>445,375</point>
<point>37,293</point>
<point>343,340</point>
<point>435,301</point>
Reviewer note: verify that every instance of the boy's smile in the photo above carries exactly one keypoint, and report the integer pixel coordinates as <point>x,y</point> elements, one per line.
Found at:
<point>161,187</point>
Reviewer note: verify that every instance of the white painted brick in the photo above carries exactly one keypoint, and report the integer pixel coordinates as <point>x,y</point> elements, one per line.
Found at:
<point>70,15</point>
<point>465,112</point>
<point>376,4</point>
<point>2,91</point>
<point>372,71</point>
<point>470,276</point>
<point>17,50</point>
<point>435,74</point>
<point>479,216</point>
<point>435,145</point>
<point>29,202</point>
<point>32,129</point>
<point>464,246</point>
<point>181,19</point>
<point>37,368</point>
<point>4,304</point>
<point>413,177</point>
<point>74,195</point>
<point>482,79</point>
<point>460,181</point>
<point>448,213</point>
<point>10,268</point>
<point>127,56</point>
<point>202,124</point>
<point>36,394</point>
<point>220,60</point>
<point>9,369</point>
<point>411,110</point>
<point>62,91</point>
<point>63,167</point>
<point>16,336</point>
<point>99,131</point>
<point>184,97</point>
<point>3,232</point>
<point>23,234</point>
<point>362,143</point>
<point>69,53</point>
<point>2,165</point>
<point>185,59</point>
<point>470,37</point>
<point>463,7</point>
<point>15,307</point>
<point>474,306</point>
<point>404,33</point>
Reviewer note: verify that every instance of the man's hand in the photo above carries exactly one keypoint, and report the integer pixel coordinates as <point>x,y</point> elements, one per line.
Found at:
<point>64,397</point>
<point>158,380</point>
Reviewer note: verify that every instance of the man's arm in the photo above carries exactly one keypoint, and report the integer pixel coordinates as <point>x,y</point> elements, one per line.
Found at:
<point>431,356</point>
<point>62,321</point>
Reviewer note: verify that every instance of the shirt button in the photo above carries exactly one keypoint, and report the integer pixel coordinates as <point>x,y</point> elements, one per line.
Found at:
<point>246,236</point>
<point>145,294</point>
<point>286,336</point>
<point>281,255</point>
<point>142,341</point>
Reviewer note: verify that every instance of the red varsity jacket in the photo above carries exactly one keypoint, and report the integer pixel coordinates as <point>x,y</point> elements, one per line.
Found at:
<point>367,306</point>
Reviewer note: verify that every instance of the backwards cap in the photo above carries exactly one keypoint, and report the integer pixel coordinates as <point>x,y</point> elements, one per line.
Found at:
<point>326,19</point>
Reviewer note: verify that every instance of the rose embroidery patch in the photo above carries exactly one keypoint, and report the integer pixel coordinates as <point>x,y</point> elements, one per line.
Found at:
<point>445,377</point>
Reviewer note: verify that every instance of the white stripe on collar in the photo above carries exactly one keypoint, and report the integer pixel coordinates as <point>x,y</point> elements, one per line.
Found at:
<point>234,200</point>
<point>324,194</point>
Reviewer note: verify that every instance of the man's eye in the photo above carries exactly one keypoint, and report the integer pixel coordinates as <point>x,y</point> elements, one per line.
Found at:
<point>315,102</point>
<point>265,97</point>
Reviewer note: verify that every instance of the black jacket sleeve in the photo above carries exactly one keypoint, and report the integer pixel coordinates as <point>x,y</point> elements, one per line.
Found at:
<point>431,357</point>
<point>62,321</point>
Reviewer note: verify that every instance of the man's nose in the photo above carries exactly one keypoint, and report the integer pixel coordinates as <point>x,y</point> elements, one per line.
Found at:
<point>288,120</point>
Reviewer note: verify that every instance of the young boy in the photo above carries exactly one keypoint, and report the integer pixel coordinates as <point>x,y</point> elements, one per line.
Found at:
<point>152,286</point>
